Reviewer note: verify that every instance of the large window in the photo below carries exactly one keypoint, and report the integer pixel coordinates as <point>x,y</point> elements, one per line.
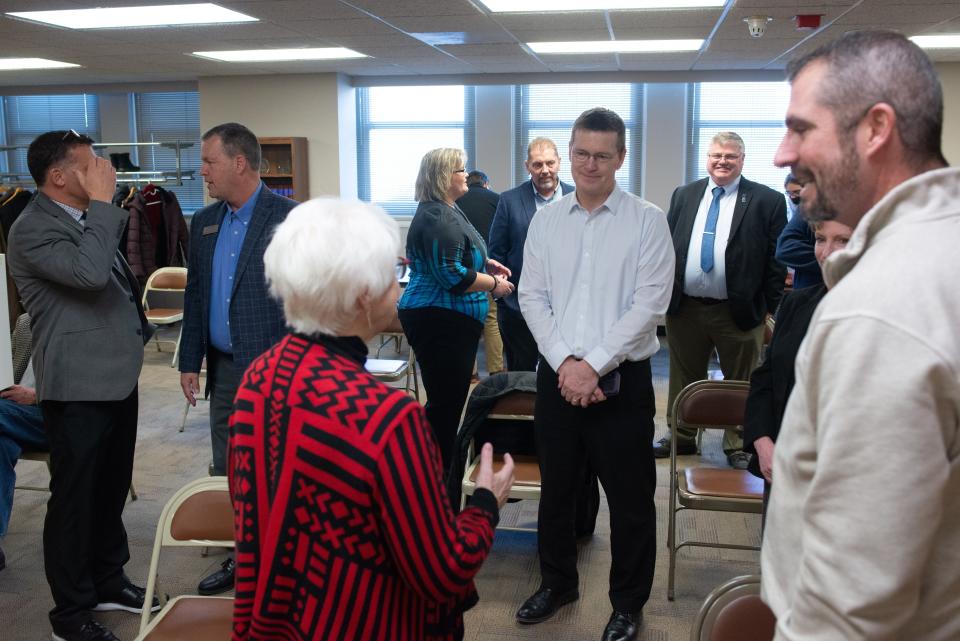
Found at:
<point>167,118</point>
<point>396,126</point>
<point>26,117</point>
<point>755,110</point>
<point>550,111</point>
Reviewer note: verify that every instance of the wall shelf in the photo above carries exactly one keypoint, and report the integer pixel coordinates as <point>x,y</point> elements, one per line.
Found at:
<point>283,166</point>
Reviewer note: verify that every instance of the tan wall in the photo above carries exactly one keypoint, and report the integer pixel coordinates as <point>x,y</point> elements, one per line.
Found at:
<point>950,79</point>
<point>288,105</point>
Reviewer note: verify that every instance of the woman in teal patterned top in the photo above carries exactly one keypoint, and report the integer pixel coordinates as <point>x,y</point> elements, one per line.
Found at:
<point>443,306</point>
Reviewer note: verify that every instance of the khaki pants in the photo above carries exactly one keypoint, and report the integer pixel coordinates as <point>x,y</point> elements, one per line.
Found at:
<point>492,343</point>
<point>693,333</point>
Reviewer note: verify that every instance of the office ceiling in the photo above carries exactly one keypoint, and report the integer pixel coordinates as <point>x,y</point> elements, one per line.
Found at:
<point>444,37</point>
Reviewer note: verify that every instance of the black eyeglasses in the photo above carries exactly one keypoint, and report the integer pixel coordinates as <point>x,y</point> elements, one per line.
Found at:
<point>71,133</point>
<point>401,268</point>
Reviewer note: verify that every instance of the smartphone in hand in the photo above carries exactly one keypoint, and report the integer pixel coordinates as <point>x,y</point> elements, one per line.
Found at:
<point>609,383</point>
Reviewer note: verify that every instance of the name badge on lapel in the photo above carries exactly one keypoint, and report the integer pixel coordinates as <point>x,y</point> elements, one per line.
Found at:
<point>210,229</point>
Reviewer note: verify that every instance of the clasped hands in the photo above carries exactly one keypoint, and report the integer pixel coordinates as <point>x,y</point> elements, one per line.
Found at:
<point>578,383</point>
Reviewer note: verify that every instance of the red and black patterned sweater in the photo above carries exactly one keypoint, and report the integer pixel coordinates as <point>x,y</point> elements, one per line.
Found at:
<point>344,530</point>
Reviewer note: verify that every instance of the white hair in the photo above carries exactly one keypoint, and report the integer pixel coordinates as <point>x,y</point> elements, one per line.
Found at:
<point>325,256</point>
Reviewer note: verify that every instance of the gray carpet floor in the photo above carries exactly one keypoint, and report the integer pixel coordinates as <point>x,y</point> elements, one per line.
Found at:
<point>166,459</point>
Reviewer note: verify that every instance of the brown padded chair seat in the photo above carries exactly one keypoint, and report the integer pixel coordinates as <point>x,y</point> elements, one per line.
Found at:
<point>203,508</point>
<point>170,280</point>
<point>162,312</point>
<point>526,470</point>
<point>715,407</point>
<point>744,619</point>
<point>195,619</point>
<point>731,484</point>
<point>514,404</point>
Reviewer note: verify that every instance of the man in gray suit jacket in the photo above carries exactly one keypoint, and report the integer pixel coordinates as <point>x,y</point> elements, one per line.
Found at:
<point>88,331</point>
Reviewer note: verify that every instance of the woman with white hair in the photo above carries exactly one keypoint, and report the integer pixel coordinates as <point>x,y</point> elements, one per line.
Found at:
<point>343,527</point>
<point>444,305</point>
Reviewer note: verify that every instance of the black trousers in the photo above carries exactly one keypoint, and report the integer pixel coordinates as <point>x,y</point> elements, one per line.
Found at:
<point>519,345</point>
<point>84,540</point>
<point>445,343</point>
<point>223,378</point>
<point>615,439</point>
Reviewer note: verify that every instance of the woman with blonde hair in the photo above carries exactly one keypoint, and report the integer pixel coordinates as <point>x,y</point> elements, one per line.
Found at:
<point>444,305</point>
<point>343,527</point>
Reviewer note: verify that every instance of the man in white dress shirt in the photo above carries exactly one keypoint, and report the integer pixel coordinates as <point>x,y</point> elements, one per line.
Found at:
<point>598,268</point>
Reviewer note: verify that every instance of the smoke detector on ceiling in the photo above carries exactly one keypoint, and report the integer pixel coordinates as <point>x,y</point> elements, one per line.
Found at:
<point>757,25</point>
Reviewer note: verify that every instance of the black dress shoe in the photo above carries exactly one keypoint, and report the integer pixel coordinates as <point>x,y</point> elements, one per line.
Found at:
<point>128,599</point>
<point>543,604</point>
<point>622,626</point>
<point>3,559</point>
<point>661,449</point>
<point>219,581</point>
<point>89,631</point>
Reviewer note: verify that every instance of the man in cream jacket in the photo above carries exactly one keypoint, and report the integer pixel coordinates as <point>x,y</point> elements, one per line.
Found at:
<point>863,532</point>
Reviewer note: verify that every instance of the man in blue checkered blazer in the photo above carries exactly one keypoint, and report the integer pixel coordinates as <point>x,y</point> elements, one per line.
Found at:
<point>228,317</point>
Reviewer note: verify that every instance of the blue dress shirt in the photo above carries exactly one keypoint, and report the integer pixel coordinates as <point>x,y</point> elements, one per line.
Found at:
<point>233,229</point>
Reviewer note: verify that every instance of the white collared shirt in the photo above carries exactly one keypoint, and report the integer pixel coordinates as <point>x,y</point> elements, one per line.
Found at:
<point>595,285</point>
<point>540,202</point>
<point>712,284</point>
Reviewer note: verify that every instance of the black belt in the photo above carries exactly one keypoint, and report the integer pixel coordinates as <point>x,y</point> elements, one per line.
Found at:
<point>220,355</point>
<point>707,301</point>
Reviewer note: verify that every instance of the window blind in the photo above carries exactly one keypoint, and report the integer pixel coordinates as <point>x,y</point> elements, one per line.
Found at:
<point>26,117</point>
<point>396,126</point>
<point>755,110</point>
<point>167,117</point>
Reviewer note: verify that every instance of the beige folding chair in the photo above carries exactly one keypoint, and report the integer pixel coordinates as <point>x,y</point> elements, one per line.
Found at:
<point>734,612</point>
<point>515,406</point>
<point>200,514</point>
<point>44,457</point>
<point>395,333</point>
<point>709,405</point>
<point>169,283</point>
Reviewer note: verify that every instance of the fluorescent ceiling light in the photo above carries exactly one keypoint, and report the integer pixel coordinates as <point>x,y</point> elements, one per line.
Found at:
<point>127,17</point>
<point>520,6</point>
<point>939,41</point>
<point>616,46</point>
<point>12,64</point>
<point>278,55</point>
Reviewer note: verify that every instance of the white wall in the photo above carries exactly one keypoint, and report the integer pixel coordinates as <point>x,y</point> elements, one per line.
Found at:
<point>950,79</point>
<point>494,154</point>
<point>307,105</point>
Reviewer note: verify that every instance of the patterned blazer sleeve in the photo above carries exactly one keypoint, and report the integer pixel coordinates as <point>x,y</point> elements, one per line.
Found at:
<point>435,552</point>
<point>192,343</point>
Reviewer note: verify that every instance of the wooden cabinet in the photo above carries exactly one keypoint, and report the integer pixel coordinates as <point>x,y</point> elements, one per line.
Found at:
<point>283,167</point>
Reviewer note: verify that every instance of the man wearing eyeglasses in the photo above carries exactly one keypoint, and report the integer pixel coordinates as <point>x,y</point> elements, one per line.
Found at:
<point>598,268</point>
<point>89,331</point>
<point>725,231</point>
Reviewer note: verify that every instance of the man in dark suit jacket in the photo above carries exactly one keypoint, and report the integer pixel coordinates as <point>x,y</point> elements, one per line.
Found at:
<point>479,204</point>
<point>228,315</point>
<point>507,236</point>
<point>725,231</point>
<point>88,331</point>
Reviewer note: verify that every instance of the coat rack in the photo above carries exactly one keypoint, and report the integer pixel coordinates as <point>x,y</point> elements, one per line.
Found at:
<point>174,177</point>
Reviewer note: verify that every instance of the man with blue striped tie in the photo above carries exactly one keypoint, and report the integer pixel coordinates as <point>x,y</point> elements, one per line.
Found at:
<point>725,231</point>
